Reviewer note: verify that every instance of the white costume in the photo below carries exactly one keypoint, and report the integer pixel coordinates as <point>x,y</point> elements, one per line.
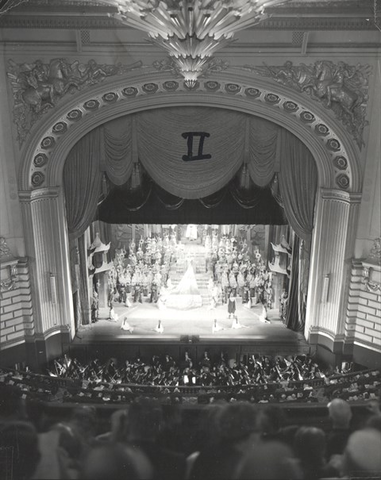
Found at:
<point>126,326</point>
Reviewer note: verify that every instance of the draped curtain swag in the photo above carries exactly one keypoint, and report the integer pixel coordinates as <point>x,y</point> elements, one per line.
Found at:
<point>261,151</point>
<point>118,156</point>
<point>161,148</point>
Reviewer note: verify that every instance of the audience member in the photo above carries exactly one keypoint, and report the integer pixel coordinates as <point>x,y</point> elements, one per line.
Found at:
<point>239,427</point>
<point>116,462</point>
<point>19,448</point>
<point>310,448</point>
<point>362,454</point>
<point>340,414</point>
<point>268,461</point>
<point>143,426</point>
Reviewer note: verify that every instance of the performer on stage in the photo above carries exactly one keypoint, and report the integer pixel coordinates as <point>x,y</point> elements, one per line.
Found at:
<point>263,315</point>
<point>126,326</point>
<point>236,323</point>
<point>231,305</point>
<point>216,327</point>
<point>159,327</point>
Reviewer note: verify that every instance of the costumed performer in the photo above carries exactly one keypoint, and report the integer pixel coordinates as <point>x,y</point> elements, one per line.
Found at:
<point>159,327</point>
<point>231,305</point>
<point>216,327</point>
<point>126,326</point>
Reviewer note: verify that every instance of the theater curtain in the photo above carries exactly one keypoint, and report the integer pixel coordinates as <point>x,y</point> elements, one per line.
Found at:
<point>164,142</point>
<point>82,181</point>
<point>297,183</point>
<point>262,156</point>
<point>120,149</point>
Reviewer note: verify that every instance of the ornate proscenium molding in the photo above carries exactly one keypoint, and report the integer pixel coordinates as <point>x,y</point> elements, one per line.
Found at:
<point>340,87</point>
<point>214,65</point>
<point>37,87</point>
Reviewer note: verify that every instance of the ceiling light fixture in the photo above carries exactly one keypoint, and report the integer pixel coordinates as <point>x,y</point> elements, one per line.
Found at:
<point>191,31</point>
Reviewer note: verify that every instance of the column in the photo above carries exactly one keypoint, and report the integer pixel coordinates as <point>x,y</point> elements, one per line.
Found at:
<point>48,252</point>
<point>330,266</point>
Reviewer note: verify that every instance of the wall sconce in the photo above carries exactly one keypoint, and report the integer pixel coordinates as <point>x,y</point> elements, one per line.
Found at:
<point>10,282</point>
<point>325,291</point>
<point>53,288</point>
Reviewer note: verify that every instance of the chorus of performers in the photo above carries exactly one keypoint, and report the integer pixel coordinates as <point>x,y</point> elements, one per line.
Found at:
<point>142,270</point>
<point>165,371</point>
<point>237,273</point>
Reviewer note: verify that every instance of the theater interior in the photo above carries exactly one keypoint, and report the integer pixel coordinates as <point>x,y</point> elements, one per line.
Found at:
<point>190,239</point>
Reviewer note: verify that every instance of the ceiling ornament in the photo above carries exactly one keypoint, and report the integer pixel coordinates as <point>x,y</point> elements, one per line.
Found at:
<point>339,87</point>
<point>191,31</point>
<point>37,87</point>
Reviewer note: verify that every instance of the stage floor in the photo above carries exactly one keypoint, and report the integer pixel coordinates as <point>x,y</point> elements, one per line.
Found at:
<point>194,322</point>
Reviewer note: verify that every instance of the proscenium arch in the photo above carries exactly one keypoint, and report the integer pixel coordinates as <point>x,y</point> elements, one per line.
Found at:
<point>270,103</point>
<point>337,203</point>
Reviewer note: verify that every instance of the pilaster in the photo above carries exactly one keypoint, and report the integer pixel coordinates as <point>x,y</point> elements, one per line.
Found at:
<point>48,252</point>
<point>333,244</point>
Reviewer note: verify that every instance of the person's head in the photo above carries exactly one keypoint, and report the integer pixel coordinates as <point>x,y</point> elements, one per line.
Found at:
<point>361,456</point>
<point>84,419</point>
<point>144,420</point>
<point>340,413</point>
<point>12,406</point>
<point>22,441</point>
<point>116,462</point>
<point>238,422</point>
<point>310,445</point>
<point>374,422</point>
<point>268,461</point>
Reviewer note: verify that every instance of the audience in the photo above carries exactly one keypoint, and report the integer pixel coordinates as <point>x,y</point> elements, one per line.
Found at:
<point>236,438</point>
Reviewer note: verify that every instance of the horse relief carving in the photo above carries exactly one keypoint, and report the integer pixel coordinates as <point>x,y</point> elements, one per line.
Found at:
<point>37,87</point>
<point>340,87</point>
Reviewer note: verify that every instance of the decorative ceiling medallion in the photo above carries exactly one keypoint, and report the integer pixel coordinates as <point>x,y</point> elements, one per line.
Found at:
<point>110,97</point>
<point>91,105</point>
<point>342,181</point>
<point>212,86</point>
<point>341,163</point>
<point>150,87</point>
<point>307,117</point>
<point>322,129</point>
<point>130,91</point>
<point>333,145</point>
<point>272,98</point>
<point>232,88</point>
<point>40,160</point>
<point>252,92</point>
<point>290,106</point>
<point>48,142</point>
<point>38,179</point>
<point>170,85</point>
<point>74,115</point>
<point>60,127</point>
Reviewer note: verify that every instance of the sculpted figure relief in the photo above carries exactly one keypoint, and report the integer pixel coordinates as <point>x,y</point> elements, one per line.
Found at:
<point>340,87</point>
<point>37,87</point>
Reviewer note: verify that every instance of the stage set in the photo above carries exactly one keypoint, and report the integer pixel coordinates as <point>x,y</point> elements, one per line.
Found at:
<point>188,284</point>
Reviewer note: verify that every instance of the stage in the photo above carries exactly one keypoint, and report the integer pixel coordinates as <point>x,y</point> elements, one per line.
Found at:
<point>192,326</point>
<point>190,329</point>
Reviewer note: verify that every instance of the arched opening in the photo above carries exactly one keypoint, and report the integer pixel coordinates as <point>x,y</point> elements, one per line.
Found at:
<point>41,180</point>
